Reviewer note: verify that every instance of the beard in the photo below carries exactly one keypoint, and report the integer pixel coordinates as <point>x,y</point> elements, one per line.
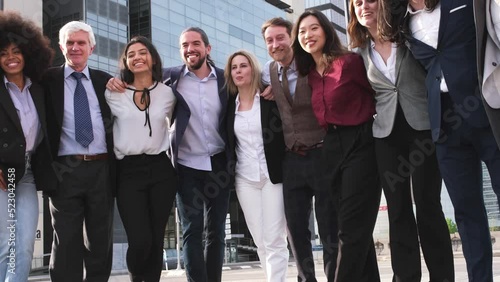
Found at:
<point>196,65</point>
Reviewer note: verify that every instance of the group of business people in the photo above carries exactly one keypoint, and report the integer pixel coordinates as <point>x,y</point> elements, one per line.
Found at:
<point>408,110</point>
<point>340,127</point>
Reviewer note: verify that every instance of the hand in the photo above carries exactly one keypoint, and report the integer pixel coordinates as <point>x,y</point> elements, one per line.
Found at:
<point>116,85</point>
<point>268,93</point>
<point>3,184</point>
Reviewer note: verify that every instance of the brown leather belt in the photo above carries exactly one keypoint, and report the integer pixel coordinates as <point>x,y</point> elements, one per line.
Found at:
<point>89,158</point>
<point>302,150</point>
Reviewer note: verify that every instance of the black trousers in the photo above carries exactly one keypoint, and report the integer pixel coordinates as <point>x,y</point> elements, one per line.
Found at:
<point>349,159</point>
<point>407,163</point>
<point>146,191</point>
<point>302,180</point>
<point>82,217</point>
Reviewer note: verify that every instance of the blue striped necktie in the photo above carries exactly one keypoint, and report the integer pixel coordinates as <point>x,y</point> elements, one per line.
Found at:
<point>83,122</point>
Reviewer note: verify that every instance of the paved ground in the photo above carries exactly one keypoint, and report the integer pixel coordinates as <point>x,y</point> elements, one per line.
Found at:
<point>251,272</point>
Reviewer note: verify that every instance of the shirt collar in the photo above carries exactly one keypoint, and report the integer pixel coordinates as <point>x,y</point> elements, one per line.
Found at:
<point>409,10</point>
<point>292,66</point>
<point>8,84</point>
<point>69,70</point>
<point>256,96</point>
<point>212,73</point>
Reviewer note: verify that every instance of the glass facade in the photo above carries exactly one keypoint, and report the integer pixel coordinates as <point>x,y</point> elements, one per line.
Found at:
<point>229,24</point>
<point>109,20</point>
<point>490,199</point>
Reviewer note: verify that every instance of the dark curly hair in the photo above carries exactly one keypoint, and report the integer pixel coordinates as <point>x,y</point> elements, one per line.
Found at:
<point>125,73</point>
<point>29,38</point>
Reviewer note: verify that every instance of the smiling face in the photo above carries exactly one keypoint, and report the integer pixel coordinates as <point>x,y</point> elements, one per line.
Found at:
<point>77,50</point>
<point>366,12</point>
<point>193,50</point>
<point>311,35</point>
<point>278,44</point>
<point>12,60</point>
<point>139,59</point>
<point>241,71</point>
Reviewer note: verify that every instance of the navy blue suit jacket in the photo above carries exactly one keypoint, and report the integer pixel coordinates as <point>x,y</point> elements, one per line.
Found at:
<point>182,112</point>
<point>455,58</point>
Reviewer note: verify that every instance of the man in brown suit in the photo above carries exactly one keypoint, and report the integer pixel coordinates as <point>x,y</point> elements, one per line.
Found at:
<point>301,167</point>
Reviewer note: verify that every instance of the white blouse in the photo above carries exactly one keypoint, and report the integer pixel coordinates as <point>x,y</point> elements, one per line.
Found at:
<point>251,160</point>
<point>130,133</point>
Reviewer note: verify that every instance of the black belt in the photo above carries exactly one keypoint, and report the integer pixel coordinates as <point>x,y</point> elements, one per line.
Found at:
<point>89,158</point>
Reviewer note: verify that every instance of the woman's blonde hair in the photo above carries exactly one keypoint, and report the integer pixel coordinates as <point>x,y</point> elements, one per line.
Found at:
<point>256,82</point>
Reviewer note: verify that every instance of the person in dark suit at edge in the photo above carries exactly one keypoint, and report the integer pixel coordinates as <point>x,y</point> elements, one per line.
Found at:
<point>442,36</point>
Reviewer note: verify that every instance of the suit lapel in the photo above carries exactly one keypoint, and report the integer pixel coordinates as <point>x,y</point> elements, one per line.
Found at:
<point>100,87</point>
<point>9,107</point>
<point>221,86</point>
<point>489,23</point>
<point>38,99</point>
<point>400,53</point>
<point>231,108</point>
<point>57,95</point>
<point>264,113</point>
<point>371,68</point>
<point>445,13</point>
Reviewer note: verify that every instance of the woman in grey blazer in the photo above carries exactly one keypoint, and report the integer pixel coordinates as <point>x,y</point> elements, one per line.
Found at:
<point>405,152</point>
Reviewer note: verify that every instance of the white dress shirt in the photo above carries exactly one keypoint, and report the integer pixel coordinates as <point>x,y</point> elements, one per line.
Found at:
<point>389,69</point>
<point>251,160</point>
<point>130,134</point>
<point>26,111</point>
<point>68,145</point>
<point>292,75</point>
<point>201,139</point>
<point>424,26</point>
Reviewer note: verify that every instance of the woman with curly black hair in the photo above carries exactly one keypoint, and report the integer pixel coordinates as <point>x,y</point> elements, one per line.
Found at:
<point>24,54</point>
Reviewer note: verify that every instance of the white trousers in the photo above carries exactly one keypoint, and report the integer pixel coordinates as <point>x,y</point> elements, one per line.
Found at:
<point>263,208</point>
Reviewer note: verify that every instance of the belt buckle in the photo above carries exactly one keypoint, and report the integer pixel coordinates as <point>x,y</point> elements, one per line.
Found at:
<point>87,158</point>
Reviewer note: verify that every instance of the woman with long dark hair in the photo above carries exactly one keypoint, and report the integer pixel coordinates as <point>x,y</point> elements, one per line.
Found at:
<point>146,178</point>
<point>343,102</point>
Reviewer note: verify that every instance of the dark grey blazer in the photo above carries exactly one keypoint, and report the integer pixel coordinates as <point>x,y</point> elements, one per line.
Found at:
<point>409,90</point>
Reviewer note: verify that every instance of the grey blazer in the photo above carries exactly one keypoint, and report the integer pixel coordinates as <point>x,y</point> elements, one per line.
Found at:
<point>488,55</point>
<point>488,63</point>
<point>409,90</point>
